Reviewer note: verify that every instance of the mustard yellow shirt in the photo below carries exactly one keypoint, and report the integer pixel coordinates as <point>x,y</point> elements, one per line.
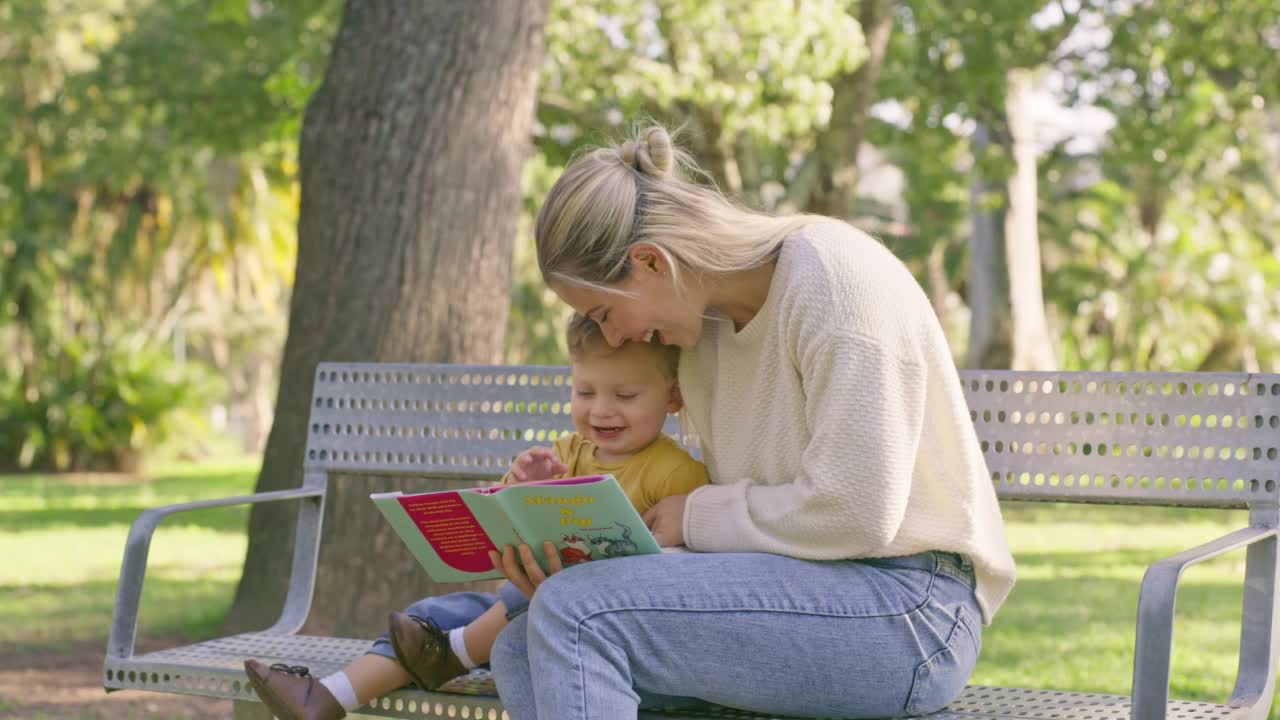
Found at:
<point>661,469</point>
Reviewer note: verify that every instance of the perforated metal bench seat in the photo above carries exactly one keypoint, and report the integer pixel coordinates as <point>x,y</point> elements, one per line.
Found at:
<point>214,669</point>
<point>1191,439</point>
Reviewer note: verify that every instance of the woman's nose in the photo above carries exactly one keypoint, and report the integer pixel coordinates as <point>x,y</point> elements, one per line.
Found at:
<point>611,335</point>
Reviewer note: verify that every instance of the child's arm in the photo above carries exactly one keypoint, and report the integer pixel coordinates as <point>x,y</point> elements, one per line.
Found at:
<point>684,478</point>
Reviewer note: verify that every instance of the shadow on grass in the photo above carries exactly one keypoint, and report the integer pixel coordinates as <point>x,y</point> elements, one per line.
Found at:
<point>228,519</point>
<point>1132,515</point>
<point>39,502</point>
<point>54,618</point>
<point>174,486</point>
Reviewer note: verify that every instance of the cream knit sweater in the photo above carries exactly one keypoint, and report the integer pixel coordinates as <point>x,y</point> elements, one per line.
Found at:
<point>833,425</point>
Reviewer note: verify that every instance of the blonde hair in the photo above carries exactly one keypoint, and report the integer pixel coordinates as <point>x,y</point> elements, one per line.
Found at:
<point>611,198</point>
<point>585,338</point>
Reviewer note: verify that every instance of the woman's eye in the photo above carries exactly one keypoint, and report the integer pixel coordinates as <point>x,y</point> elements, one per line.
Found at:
<point>622,396</point>
<point>585,393</point>
<point>604,318</point>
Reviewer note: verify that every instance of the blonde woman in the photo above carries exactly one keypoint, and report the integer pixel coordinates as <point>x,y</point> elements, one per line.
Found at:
<point>849,548</point>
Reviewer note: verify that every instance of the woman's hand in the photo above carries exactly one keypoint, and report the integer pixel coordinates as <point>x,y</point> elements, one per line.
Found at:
<point>521,568</point>
<point>666,520</point>
<point>537,463</point>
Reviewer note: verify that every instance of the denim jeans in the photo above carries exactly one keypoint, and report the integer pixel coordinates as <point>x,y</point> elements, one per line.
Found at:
<point>871,638</point>
<point>455,610</point>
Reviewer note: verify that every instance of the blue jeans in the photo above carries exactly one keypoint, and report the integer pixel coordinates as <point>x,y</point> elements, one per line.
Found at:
<point>872,638</point>
<point>456,610</point>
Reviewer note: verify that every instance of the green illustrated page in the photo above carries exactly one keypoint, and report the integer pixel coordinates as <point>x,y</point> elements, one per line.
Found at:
<point>586,519</point>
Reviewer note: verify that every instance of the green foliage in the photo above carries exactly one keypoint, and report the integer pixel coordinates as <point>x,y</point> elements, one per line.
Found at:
<point>148,197</point>
<point>146,209</point>
<point>100,410</point>
<point>748,84</point>
<point>1169,262</point>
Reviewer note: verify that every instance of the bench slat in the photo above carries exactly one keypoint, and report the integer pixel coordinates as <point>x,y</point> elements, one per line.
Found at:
<point>1200,439</point>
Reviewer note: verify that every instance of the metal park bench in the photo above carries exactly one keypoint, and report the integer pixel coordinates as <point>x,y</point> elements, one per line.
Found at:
<point>1191,439</point>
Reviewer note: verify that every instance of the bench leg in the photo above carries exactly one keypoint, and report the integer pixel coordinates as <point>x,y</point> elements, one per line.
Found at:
<point>1259,635</point>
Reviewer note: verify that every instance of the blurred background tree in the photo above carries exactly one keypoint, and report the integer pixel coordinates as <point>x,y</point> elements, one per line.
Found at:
<point>1124,153</point>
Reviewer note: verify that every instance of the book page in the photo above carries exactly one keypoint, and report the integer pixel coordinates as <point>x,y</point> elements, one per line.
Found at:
<point>585,518</point>
<point>451,528</point>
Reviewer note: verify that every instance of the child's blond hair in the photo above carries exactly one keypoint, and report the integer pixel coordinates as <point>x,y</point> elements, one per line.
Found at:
<point>584,337</point>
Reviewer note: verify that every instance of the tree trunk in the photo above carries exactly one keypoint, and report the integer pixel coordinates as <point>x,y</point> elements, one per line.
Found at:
<point>835,192</point>
<point>411,157</point>
<point>1032,349</point>
<point>988,282</point>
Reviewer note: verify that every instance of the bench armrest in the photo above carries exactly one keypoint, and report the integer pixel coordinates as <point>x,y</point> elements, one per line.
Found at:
<point>1153,646</point>
<point>124,621</point>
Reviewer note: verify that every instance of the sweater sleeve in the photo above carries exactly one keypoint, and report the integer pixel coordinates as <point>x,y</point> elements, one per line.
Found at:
<point>864,407</point>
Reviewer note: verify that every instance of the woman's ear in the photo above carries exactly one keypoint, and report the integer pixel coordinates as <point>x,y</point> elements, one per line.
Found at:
<point>646,256</point>
<point>676,402</point>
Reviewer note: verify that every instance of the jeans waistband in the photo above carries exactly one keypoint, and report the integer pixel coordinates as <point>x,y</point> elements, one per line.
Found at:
<point>948,564</point>
<point>955,566</point>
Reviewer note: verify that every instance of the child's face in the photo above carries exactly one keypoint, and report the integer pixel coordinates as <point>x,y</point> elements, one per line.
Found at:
<point>621,399</point>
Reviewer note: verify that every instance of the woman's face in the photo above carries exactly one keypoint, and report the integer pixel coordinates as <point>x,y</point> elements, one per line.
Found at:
<point>645,303</point>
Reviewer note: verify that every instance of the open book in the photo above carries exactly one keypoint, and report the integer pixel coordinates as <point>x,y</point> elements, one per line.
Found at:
<point>452,531</point>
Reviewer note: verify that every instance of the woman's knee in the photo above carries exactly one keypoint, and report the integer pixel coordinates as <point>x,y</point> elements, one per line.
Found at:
<point>563,599</point>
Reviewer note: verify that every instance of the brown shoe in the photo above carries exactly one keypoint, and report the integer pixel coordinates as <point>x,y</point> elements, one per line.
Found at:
<point>291,693</point>
<point>423,651</point>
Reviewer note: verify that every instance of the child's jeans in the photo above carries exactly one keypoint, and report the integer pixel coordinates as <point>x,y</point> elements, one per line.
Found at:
<point>873,638</point>
<point>456,610</point>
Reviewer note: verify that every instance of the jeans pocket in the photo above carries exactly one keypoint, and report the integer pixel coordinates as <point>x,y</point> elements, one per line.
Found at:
<point>940,678</point>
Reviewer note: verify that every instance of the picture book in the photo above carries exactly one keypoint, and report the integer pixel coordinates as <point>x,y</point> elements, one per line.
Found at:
<point>452,531</point>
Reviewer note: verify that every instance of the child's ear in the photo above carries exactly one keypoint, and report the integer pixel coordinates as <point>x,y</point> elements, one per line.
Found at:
<point>676,401</point>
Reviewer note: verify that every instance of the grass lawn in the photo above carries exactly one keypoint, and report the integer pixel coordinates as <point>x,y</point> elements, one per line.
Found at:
<point>63,541</point>
<point>1068,624</point>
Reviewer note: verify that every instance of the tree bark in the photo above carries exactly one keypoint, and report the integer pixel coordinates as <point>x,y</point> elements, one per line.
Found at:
<point>1032,348</point>
<point>835,192</point>
<point>990,326</point>
<point>411,157</point>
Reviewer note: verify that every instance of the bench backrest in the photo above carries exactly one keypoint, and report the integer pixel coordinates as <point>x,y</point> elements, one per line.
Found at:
<point>1203,439</point>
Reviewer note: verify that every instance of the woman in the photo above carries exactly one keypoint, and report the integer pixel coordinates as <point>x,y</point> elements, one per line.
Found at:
<point>849,548</point>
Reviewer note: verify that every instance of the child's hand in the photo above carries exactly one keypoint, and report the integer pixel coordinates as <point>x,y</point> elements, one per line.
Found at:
<point>520,567</point>
<point>666,520</point>
<point>537,463</point>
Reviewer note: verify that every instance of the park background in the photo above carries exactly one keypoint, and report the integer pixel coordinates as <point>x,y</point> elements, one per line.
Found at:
<point>199,199</point>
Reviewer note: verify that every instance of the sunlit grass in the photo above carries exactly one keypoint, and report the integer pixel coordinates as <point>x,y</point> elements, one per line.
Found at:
<point>63,541</point>
<point>1069,623</point>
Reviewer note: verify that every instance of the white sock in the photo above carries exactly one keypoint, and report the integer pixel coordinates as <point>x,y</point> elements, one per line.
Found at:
<point>459,647</point>
<point>340,685</point>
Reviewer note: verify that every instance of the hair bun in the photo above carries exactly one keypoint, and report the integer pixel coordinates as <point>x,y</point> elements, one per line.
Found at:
<point>651,153</point>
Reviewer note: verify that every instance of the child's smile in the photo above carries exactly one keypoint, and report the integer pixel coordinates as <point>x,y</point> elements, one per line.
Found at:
<point>621,399</point>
